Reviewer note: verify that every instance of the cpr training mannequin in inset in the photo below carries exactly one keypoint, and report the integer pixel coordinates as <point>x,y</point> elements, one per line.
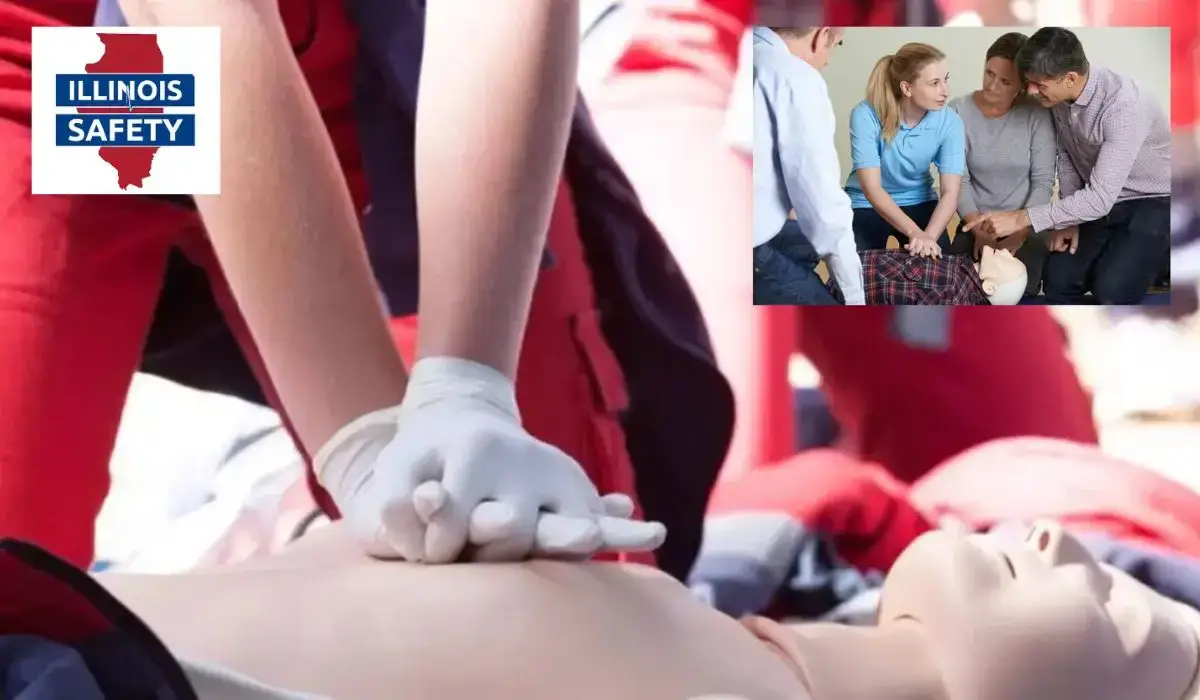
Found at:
<point>1004,277</point>
<point>962,618</point>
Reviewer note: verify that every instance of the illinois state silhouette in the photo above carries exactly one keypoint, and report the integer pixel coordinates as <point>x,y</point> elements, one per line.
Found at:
<point>128,53</point>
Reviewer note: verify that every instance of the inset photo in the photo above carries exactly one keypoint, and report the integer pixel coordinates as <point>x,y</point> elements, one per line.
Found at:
<point>962,165</point>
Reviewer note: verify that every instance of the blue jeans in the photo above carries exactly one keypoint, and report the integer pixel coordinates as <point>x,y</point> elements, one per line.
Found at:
<point>785,271</point>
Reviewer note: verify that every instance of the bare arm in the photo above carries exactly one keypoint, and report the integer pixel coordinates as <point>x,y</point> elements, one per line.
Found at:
<point>493,116</point>
<point>883,203</point>
<point>950,187</point>
<point>284,228</point>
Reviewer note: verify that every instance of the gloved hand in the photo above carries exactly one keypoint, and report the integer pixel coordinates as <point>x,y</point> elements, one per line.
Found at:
<point>450,474</point>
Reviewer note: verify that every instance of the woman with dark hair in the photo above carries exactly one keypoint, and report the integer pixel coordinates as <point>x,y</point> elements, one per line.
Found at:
<point>1010,156</point>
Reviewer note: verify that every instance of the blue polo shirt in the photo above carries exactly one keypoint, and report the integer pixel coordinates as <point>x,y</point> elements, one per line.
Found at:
<point>937,139</point>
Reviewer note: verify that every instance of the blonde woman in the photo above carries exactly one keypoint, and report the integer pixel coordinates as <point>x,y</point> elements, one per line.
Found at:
<point>896,133</point>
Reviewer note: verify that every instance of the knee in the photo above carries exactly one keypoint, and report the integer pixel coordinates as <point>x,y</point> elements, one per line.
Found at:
<point>1114,291</point>
<point>1054,276</point>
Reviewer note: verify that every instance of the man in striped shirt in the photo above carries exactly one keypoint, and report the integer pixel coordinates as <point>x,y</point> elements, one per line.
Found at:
<point>1113,213</point>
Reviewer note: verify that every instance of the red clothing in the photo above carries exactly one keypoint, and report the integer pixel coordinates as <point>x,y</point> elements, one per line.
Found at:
<point>862,13</point>
<point>1004,373</point>
<point>654,48</point>
<point>871,517</point>
<point>76,302</point>
<point>1078,485</point>
<point>859,505</point>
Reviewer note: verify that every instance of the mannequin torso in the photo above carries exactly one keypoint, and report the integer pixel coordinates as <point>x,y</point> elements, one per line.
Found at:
<point>321,619</point>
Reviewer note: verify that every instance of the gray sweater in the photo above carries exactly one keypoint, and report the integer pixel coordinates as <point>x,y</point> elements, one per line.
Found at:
<point>1010,159</point>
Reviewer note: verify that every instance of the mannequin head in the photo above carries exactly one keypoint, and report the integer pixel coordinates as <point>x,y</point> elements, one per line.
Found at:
<point>1004,277</point>
<point>1037,617</point>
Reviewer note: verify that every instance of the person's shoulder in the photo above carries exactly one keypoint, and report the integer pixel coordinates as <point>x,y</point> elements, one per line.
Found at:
<point>958,104</point>
<point>949,119</point>
<point>1034,112</point>
<point>863,112</point>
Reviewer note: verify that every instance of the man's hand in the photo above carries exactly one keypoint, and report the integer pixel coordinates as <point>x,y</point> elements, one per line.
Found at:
<point>1064,241</point>
<point>981,229</point>
<point>1014,242</point>
<point>450,474</point>
<point>923,247</point>
<point>1003,223</point>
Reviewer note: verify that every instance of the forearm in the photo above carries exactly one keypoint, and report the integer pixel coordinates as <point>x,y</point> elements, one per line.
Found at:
<point>942,213</point>
<point>284,229</point>
<point>493,117</point>
<point>891,212</point>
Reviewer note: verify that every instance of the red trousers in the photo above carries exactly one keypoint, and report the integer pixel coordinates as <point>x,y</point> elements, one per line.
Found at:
<point>79,278</point>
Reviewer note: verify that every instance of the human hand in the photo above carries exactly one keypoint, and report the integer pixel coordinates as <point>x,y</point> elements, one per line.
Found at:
<point>450,474</point>
<point>1064,241</point>
<point>981,231</point>
<point>1003,223</point>
<point>923,247</point>
<point>1014,242</point>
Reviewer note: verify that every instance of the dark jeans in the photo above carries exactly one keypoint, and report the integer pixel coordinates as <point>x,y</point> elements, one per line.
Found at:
<point>1118,258</point>
<point>1033,253</point>
<point>872,231</point>
<point>785,271</point>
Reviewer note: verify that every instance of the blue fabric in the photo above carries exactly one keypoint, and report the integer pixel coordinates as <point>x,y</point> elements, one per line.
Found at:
<point>815,424</point>
<point>38,669</point>
<point>1172,575</point>
<point>785,271</point>
<point>938,139</point>
<point>810,581</point>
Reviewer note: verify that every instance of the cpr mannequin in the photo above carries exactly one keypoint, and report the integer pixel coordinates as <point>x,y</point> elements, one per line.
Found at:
<point>1004,277</point>
<point>989,617</point>
<point>957,623</point>
<point>320,618</point>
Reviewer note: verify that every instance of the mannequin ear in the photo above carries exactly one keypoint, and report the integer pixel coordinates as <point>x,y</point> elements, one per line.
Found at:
<point>989,287</point>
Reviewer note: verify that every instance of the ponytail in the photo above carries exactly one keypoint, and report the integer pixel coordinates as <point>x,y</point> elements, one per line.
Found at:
<point>881,95</point>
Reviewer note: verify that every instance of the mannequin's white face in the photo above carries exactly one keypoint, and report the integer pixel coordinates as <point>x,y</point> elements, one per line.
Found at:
<point>1017,618</point>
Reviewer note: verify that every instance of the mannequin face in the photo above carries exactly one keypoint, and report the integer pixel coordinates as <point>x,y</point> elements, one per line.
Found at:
<point>1004,276</point>
<point>1014,618</point>
<point>931,88</point>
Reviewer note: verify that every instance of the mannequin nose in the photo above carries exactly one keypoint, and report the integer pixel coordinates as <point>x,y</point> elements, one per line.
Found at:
<point>1055,545</point>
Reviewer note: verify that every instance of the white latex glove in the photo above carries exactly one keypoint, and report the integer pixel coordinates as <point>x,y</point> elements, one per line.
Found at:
<point>450,474</point>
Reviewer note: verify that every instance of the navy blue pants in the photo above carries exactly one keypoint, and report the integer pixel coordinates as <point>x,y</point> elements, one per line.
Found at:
<point>1118,258</point>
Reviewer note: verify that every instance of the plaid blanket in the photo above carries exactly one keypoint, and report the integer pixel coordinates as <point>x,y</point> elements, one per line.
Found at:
<point>895,278</point>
